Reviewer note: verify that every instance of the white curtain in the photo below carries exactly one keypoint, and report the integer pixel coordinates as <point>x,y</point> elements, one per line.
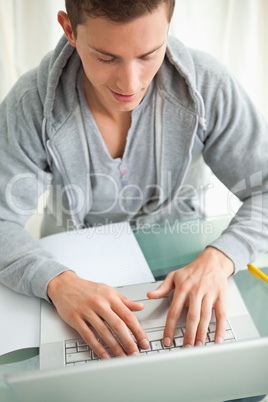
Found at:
<point>28,30</point>
<point>235,31</point>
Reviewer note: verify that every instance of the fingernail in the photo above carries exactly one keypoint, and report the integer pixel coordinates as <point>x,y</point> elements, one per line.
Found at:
<point>144,343</point>
<point>122,354</point>
<point>188,345</point>
<point>134,354</point>
<point>167,341</point>
<point>105,356</point>
<point>198,343</point>
<point>219,339</point>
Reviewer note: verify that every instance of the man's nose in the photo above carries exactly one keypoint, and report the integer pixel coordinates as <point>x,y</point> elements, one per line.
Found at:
<point>127,79</point>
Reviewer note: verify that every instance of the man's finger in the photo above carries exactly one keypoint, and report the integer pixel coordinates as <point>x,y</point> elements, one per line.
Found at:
<point>205,318</point>
<point>192,321</point>
<point>172,318</point>
<point>221,318</point>
<point>165,287</point>
<point>132,324</point>
<point>120,335</point>
<point>92,341</point>
<point>131,304</point>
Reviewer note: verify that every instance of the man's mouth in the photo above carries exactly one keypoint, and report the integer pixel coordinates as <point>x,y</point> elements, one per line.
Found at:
<point>123,98</point>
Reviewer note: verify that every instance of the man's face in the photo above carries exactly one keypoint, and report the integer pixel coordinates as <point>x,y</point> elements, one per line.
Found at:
<point>121,59</point>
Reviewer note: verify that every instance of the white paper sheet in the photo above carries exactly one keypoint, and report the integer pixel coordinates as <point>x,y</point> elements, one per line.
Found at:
<point>20,321</point>
<point>108,254</point>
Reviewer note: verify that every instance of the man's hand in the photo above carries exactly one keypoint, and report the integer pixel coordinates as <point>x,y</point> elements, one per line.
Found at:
<point>201,286</point>
<point>83,304</point>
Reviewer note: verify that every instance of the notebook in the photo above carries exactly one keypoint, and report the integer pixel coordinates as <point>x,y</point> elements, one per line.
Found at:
<point>107,253</point>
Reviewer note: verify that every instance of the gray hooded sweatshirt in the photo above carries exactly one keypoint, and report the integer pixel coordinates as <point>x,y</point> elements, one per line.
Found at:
<point>201,117</point>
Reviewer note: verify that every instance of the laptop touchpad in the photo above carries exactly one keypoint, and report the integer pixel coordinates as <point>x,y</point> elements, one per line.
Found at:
<point>154,313</point>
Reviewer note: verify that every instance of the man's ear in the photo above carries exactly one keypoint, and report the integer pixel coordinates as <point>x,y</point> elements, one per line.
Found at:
<point>64,21</point>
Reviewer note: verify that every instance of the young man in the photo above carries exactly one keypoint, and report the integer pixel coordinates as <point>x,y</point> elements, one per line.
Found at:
<point>114,120</point>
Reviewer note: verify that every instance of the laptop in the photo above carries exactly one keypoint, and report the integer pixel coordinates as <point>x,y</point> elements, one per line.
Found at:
<point>61,346</point>
<point>237,368</point>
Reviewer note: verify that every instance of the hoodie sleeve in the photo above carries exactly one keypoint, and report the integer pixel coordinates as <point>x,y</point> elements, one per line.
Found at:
<point>24,266</point>
<point>236,149</point>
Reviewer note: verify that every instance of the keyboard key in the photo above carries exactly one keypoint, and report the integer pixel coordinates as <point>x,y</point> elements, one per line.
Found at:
<point>158,335</point>
<point>228,335</point>
<point>155,336</point>
<point>80,342</point>
<point>167,347</point>
<point>77,357</point>
<point>94,356</point>
<point>145,350</point>
<point>70,344</point>
<point>71,350</point>
<point>178,332</point>
<point>212,327</point>
<point>152,352</point>
<point>82,348</point>
<point>211,337</point>
<point>178,342</point>
<point>156,345</point>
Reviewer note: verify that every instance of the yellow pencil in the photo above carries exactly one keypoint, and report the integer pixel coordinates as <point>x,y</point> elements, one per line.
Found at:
<point>257,273</point>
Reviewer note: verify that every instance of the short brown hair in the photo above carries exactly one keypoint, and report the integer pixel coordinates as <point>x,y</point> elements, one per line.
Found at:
<point>114,10</point>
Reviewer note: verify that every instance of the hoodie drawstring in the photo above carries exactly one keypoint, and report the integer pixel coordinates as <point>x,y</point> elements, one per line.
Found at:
<point>200,119</point>
<point>202,114</point>
<point>44,139</point>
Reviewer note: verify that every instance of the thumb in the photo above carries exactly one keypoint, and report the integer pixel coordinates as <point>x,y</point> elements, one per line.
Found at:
<point>165,287</point>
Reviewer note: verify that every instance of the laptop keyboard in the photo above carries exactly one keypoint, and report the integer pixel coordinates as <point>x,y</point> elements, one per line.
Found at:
<point>77,352</point>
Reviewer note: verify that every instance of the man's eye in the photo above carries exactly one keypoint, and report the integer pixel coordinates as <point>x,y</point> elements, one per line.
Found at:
<point>149,57</point>
<point>107,61</point>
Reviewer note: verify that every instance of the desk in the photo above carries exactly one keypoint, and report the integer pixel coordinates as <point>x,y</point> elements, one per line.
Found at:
<point>172,247</point>
<point>166,248</point>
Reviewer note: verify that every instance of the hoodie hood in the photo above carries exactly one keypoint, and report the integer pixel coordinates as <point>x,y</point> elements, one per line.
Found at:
<point>60,88</point>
